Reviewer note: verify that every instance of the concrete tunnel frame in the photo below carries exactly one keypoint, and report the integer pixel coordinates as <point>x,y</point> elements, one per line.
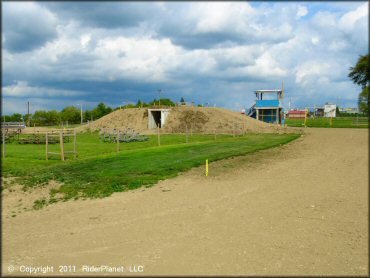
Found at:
<point>157,117</point>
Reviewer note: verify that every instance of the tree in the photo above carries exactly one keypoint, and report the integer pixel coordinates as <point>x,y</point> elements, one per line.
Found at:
<point>16,117</point>
<point>140,104</point>
<point>53,117</point>
<point>167,102</point>
<point>88,115</point>
<point>337,112</point>
<point>360,73</point>
<point>71,114</point>
<point>100,111</point>
<point>39,118</point>
<point>363,101</point>
<point>360,76</point>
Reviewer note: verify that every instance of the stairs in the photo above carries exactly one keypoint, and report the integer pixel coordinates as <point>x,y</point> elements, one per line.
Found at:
<point>251,112</point>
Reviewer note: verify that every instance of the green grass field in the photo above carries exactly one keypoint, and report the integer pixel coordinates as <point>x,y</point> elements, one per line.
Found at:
<point>100,170</point>
<point>338,122</point>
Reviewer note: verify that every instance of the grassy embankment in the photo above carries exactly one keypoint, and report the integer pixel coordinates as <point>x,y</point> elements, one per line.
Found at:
<point>338,122</point>
<point>100,171</point>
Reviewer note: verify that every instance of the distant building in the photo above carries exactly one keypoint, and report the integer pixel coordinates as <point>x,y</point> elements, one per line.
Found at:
<point>319,112</point>
<point>330,110</point>
<point>349,110</point>
<point>296,114</point>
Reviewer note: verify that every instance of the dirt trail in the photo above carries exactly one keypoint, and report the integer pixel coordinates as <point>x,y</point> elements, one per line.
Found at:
<point>301,209</point>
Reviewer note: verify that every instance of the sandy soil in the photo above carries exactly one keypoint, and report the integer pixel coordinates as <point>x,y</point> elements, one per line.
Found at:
<point>301,209</point>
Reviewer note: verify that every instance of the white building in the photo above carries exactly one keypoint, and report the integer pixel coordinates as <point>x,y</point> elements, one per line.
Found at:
<point>330,110</point>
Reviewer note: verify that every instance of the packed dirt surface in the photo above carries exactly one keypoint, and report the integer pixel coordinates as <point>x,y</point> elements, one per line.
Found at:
<point>300,209</point>
<point>182,119</point>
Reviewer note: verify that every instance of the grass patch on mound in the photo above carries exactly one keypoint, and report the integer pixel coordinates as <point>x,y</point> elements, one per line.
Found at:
<point>139,164</point>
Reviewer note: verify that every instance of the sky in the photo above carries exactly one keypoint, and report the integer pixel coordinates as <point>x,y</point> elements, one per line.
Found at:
<point>58,54</point>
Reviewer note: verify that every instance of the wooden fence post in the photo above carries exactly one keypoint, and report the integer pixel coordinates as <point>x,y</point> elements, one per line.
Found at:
<point>61,145</point>
<point>46,145</point>
<point>117,141</point>
<point>4,149</point>
<point>186,133</point>
<point>74,145</point>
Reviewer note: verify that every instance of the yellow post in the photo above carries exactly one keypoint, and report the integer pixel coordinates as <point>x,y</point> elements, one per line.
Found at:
<point>46,145</point>
<point>206,167</point>
<point>305,118</point>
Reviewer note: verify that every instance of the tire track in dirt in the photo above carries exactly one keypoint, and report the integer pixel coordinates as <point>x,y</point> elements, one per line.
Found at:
<point>300,209</point>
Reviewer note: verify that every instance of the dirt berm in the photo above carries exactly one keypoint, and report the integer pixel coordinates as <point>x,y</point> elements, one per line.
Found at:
<point>180,119</point>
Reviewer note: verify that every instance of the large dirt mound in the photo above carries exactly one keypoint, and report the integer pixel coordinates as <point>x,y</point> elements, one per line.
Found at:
<point>135,118</point>
<point>182,119</point>
<point>210,120</point>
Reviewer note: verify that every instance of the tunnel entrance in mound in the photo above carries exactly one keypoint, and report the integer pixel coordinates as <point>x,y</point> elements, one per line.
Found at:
<point>157,117</point>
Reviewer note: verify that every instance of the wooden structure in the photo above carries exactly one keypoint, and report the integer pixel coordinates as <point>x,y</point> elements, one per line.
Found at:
<point>268,106</point>
<point>61,134</point>
<point>16,126</point>
<point>268,110</point>
<point>8,131</point>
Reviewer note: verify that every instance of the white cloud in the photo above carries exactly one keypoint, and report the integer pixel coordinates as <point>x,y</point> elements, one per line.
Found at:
<point>348,20</point>
<point>311,69</point>
<point>221,16</point>
<point>237,47</point>
<point>315,40</point>
<point>266,67</point>
<point>22,89</point>
<point>85,40</point>
<point>324,19</point>
<point>302,11</point>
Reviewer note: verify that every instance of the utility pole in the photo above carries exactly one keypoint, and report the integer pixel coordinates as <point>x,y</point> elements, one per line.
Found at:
<point>81,112</point>
<point>159,93</point>
<point>28,114</point>
<point>282,119</point>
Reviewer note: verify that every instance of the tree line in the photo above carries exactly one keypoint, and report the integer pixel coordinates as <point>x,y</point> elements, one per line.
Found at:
<point>72,114</point>
<point>360,75</point>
